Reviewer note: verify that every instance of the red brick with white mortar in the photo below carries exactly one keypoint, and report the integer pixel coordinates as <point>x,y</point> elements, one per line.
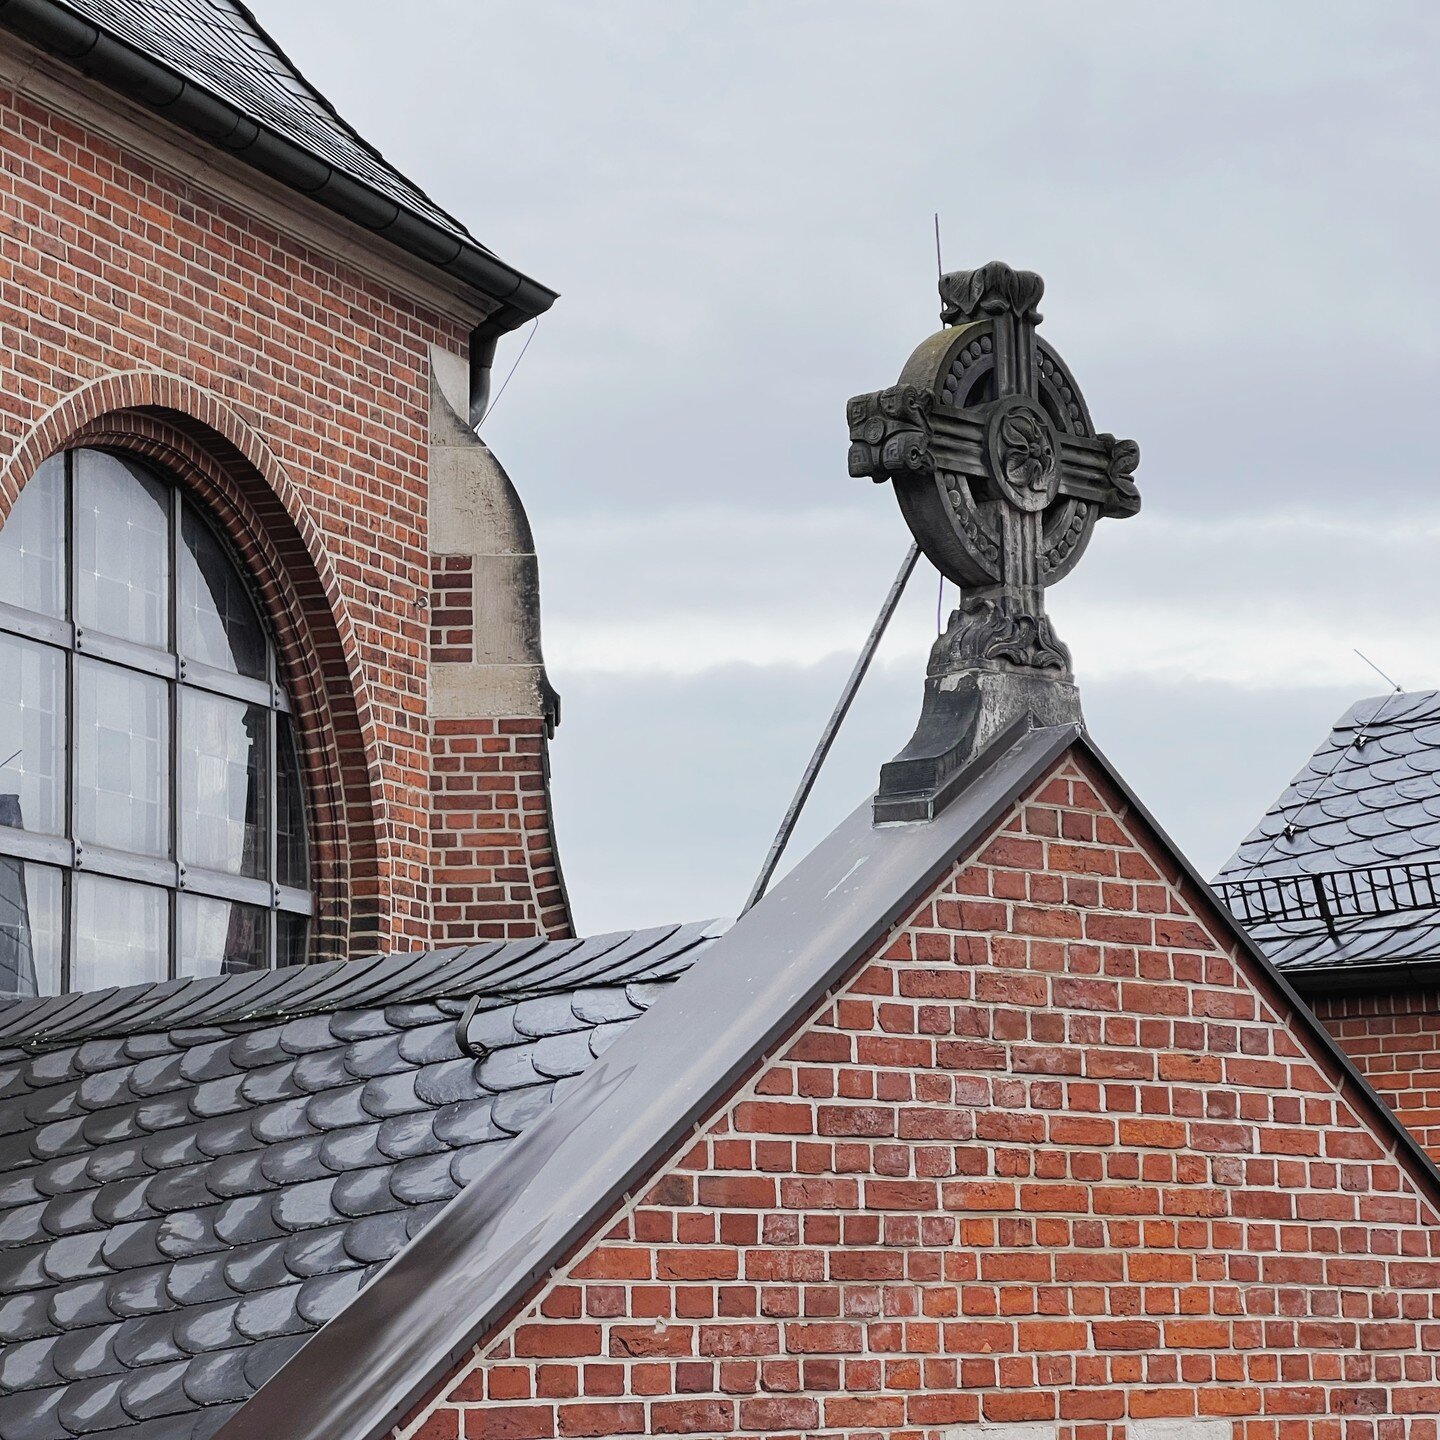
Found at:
<point>1057,1153</point>
<point>1394,1039</point>
<point>452,609</point>
<point>495,872</point>
<point>137,308</point>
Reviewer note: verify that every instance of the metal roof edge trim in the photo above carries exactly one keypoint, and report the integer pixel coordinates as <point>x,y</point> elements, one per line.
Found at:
<point>1426,1171</point>
<point>476,1263</point>
<point>141,78</point>
<point>1350,979</point>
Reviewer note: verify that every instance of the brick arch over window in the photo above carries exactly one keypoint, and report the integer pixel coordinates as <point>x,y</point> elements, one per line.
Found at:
<point>206,447</point>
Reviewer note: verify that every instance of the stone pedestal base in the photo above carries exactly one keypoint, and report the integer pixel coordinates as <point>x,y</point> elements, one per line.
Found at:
<point>963,716</point>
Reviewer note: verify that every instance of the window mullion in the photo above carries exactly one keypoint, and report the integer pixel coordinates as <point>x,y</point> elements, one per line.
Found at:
<point>72,789</point>
<point>272,824</point>
<point>175,798</point>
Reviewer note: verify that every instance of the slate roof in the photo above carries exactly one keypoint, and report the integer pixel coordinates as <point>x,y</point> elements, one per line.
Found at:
<point>195,1176</point>
<point>1343,870</point>
<point>209,67</point>
<point>221,46</point>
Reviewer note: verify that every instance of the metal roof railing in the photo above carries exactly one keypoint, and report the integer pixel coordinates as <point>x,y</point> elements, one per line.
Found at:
<point>1332,896</point>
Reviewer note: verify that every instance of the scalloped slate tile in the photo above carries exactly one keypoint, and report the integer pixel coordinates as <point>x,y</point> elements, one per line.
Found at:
<point>1369,798</point>
<point>180,1208</point>
<point>218,1376</point>
<point>402,1137</point>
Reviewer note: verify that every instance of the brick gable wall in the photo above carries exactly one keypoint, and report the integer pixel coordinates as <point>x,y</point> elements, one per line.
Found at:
<point>1394,1039</point>
<point>1054,1157</point>
<point>119,279</point>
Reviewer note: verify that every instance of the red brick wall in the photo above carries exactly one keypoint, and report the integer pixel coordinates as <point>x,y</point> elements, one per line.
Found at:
<point>496,875</point>
<point>452,609</point>
<point>1053,1156</point>
<point>303,384</point>
<point>1394,1040</point>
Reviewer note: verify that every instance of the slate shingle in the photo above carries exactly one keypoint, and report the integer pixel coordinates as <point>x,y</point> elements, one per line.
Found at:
<point>181,1208</point>
<point>217,45</point>
<point>1366,802</point>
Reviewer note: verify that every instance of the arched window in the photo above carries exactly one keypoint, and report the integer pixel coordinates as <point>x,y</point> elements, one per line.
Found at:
<point>152,819</point>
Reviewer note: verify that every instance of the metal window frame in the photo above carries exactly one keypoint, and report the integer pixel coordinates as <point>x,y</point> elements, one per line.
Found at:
<point>69,855</point>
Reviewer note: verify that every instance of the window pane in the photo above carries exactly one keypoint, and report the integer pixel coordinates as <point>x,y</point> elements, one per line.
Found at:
<point>292,861</point>
<point>291,933</point>
<point>218,624</point>
<point>122,933</point>
<point>222,775</point>
<point>122,549</point>
<point>220,937</point>
<point>31,928</point>
<point>122,771</point>
<point>32,736</point>
<point>32,543</point>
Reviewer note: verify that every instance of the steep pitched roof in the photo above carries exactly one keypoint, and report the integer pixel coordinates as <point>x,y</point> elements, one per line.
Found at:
<point>219,44</point>
<point>474,1266</point>
<point>195,1176</point>
<point>211,67</point>
<point>1342,873</point>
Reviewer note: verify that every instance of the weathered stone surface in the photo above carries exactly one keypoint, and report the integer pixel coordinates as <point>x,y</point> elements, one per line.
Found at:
<point>1001,477</point>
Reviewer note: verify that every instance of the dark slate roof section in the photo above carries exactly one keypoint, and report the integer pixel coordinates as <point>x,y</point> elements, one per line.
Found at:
<point>1351,850</point>
<point>195,1176</point>
<point>209,66</point>
<point>563,1178</point>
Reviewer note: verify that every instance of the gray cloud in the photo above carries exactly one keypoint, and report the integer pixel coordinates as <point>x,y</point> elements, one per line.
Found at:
<point>1233,206</point>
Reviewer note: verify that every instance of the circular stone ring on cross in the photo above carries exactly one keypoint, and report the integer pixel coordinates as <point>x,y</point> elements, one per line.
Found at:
<point>1023,452</point>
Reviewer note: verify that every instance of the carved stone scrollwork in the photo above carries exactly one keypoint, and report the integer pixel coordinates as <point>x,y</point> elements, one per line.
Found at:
<point>986,629</point>
<point>1124,461</point>
<point>890,433</point>
<point>993,289</point>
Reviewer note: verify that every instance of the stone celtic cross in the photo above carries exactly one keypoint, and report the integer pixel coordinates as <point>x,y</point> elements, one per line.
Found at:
<point>1001,477</point>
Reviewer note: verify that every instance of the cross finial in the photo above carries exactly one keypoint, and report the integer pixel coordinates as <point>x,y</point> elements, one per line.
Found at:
<point>1001,476</point>
<point>993,289</point>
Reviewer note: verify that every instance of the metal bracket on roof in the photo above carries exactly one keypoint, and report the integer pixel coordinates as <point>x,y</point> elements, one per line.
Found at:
<point>462,1030</point>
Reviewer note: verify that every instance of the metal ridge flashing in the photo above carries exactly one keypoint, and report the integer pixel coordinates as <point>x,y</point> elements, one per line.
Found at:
<point>478,1261</point>
<point>145,80</point>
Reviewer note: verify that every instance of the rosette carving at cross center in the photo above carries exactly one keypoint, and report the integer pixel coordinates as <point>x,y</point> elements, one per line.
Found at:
<point>1023,453</point>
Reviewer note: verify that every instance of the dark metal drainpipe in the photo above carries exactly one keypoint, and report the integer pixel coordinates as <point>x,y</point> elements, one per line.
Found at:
<point>483,340</point>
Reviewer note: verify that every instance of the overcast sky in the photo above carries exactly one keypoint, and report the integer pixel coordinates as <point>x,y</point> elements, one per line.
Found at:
<point>1234,208</point>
